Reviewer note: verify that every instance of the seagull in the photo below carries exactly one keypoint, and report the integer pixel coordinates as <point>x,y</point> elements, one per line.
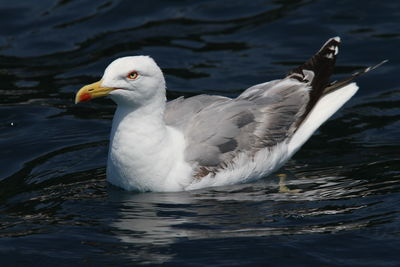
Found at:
<point>209,140</point>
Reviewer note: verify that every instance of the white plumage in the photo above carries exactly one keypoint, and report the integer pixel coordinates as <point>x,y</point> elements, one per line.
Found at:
<point>211,140</point>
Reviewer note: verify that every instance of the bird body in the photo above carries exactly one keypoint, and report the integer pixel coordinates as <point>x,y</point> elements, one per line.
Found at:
<point>205,140</point>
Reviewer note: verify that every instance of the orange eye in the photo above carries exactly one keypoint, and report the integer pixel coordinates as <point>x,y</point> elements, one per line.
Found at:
<point>133,75</point>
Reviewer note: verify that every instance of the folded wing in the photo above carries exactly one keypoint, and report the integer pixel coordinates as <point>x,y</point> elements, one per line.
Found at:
<point>217,129</point>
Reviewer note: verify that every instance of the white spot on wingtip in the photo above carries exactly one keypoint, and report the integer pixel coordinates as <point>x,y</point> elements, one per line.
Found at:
<point>330,55</point>
<point>335,49</point>
<point>337,39</point>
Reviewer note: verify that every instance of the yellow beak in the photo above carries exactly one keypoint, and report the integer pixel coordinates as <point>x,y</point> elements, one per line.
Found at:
<point>91,91</point>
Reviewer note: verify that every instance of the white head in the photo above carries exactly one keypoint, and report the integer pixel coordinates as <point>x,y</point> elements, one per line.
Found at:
<point>133,81</point>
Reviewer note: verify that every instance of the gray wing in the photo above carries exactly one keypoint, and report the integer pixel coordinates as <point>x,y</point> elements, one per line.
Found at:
<point>218,128</point>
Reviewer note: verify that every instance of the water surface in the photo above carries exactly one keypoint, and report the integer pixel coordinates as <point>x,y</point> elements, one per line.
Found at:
<point>57,208</point>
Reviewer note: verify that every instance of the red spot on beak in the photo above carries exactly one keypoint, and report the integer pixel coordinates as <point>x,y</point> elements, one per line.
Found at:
<point>85,97</point>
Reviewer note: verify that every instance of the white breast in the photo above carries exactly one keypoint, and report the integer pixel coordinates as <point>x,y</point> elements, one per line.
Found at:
<point>145,155</point>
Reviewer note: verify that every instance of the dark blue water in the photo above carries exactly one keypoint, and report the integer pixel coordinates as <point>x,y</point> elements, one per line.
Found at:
<point>56,207</point>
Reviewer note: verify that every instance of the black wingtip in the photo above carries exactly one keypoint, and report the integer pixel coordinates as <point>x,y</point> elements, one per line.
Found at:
<point>339,84</point>
<point>321,64</point>
<point>376,66</point>
<point>321,67</point>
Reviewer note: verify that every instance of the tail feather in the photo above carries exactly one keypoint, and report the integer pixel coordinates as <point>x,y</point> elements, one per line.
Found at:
<point>325,98</point>
<point>323,110</point>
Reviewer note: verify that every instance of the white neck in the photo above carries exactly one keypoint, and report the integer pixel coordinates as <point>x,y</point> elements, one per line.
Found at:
<point>143,150</point>
<point>141,120</point>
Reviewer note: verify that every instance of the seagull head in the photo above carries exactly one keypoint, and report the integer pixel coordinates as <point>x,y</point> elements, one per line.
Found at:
<point>131,81</point>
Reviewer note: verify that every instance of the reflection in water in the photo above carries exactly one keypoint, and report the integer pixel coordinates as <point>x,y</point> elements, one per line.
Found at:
<point>146,225</point>
<point>327,204</point>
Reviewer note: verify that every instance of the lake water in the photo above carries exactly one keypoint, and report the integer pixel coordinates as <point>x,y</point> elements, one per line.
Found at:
<point>56,207</point>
